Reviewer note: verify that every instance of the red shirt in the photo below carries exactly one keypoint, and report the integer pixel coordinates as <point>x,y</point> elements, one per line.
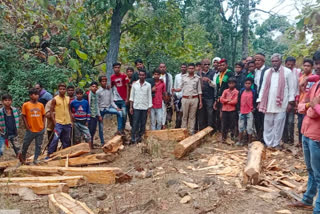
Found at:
<point>120,81</point>
<point>229,99</point>
<point>246,105</point>
<point>157,99</point>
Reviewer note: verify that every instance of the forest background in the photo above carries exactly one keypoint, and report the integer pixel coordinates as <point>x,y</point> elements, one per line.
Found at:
<point>73,41</point>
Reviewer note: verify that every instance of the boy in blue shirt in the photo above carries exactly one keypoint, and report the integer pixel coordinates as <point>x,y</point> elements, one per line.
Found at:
<point>81,113</point>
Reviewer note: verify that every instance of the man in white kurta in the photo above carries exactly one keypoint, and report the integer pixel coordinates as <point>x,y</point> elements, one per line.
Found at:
<point>275,116</point>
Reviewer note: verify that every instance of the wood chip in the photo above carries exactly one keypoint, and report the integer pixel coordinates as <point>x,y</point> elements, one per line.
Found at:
<point>191,185</point>
<point>185,199</point>
<point>284,211</point>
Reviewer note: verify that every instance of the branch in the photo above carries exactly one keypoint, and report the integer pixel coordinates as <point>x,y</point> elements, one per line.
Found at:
<point>263,11</point>
<point>99,64</point>
<point>131,26</point>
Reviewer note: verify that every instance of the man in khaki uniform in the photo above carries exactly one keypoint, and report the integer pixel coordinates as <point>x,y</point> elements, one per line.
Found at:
<point>191,96</point>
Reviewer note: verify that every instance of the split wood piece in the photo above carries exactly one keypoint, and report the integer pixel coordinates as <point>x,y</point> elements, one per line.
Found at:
<point>71,181</point>
<point>38,188</point>
<point>97,175</point>
<point>113,145</point>
<point>191,142</point>
<point>64,203</point>
<point>167,134</point>
<point>261,188</point>
<point>10,163</point>
<point>83,160</point>
<point>287,192</point>
<point>254,163</point>
<point>287,183</point>
<point>72,151</point>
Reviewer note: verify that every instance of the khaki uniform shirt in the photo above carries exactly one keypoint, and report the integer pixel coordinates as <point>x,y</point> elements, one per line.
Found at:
<point>190,86</point>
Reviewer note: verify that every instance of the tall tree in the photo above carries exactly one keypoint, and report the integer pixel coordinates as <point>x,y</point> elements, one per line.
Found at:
<point>245,27</point>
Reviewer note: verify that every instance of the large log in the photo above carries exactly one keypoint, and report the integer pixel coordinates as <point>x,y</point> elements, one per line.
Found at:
<point>113,145</point>
<point>83,160</point>
<point>38,188</point>
<point>254,163</point>
<point>71,181</point>
<point>73,151</point>
<point>64,203</point>
<point>98,175</point>
<point>191,142</point>
<point>167,134</point>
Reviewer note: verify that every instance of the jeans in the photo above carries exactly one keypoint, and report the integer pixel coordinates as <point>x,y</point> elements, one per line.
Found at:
<point>13,141</point>
<point>92,125</point>
<point>110,110</point>
<point>139,124</point>
<point>246,123</point>
<point>311,151</point>
<point>80,128</point>
<point>206,114</point>
<point>288,132</point>
<point>300,120</point>
<point>62,132</point>
<point>28,138</point>
<point>122,105</point>
<point>156,118</point>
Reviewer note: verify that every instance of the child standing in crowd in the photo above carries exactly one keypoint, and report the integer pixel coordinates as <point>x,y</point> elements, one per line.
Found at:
<point>62,117</point>
<point>156,111</point>
<point>119,82</point>
<point>33,116</point>
<point>129,73</point>
<point>95,115</point>
<point>246,104</point>
<point>229,100</point>
<point>81,114</point>
<point>9,124</point>
<point>240,75</point>
<point>70,93</point>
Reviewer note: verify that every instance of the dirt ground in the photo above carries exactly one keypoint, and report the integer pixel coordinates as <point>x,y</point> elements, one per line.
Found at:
<point>157,184</point>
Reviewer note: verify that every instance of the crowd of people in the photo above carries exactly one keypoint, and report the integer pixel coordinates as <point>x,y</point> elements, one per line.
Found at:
<point>252,102</point>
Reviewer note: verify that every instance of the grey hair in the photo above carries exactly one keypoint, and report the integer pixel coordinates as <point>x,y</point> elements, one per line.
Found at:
<point>276,55</point>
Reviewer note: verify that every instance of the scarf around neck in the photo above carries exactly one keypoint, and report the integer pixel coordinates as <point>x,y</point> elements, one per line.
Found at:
<point>280,91</point>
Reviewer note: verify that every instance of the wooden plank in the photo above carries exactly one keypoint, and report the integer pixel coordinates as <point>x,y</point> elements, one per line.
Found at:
<point>38,188</point>
<point>71,181</point>
<point>113,145</point>
<point>167,134</point>
<point>188,144</point>
<point>100,175</point>
<point>254,163</point>
<point>287,183</point>
<point>10,163</point>
<point>64,203</point>
<point>264,189</point>
<point>83,160</point>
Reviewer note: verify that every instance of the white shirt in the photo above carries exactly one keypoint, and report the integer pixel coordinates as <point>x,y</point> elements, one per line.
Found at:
<point>288,96</point>
<point>141,95</point>
<point>257,75</point>
<point>170,81</point>
<point>177,82</point>
<point>295,78</point>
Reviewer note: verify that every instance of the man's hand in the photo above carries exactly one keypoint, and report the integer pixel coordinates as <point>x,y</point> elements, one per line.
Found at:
<point>149,110</point>
<point>173,90</point>
<point>131,111</point>
<point>314,102</point>
<point>215,105</point>
<point>100,118</point>
<point>205,79</point>
<point>118,109</point>
<point>200,105</point>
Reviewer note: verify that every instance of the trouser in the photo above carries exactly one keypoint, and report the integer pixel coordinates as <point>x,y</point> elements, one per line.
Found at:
<point>62,132</point>
<point>80,129</point>
<point>129,115</point>
<point>189,109</point>
<point>273,128</point>
<point>156,118</point>
<point>228,122</point>
<point>122,105</point>
<point>92,125</point>
<point>246,123</point>
<point>288,132</point>
<point>105,111</point>
<point>13,141</point>
<point>167,114</point>
<point>139,124</point>
<point>259,123</point>
<point>28,138</point>
<point>217,117</point>
<point>179,115</point>
<point>50,135</point>
<point>311,151</point>
<point>300,120</point>
<point>206,114</point>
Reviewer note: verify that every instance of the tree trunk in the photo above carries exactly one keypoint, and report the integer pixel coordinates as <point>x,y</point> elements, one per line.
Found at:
<point>114,43</point>
<point>245,28</point>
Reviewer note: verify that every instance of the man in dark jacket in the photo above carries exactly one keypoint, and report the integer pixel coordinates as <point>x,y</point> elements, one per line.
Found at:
<point>240,75</point>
